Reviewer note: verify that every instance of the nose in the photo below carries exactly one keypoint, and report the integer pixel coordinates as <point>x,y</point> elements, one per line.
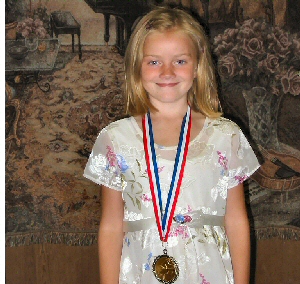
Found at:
<point>167,71</point>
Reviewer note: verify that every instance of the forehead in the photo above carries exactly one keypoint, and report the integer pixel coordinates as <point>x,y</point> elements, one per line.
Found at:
<point>169,41</point>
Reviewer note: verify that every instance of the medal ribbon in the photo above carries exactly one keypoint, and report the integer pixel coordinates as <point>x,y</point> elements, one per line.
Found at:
<point>164,220</point>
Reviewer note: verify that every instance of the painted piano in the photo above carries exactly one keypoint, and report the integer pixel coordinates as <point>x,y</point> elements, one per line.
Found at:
<point>126,12</point>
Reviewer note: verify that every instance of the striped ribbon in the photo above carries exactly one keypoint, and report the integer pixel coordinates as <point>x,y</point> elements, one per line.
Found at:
<point>164,218</point>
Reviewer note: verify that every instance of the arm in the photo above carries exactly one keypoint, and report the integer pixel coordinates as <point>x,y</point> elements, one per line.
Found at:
<point>238,232</point>
<point>110,237</point>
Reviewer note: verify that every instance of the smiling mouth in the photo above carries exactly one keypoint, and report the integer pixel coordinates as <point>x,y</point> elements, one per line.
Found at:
<point>166,84</point>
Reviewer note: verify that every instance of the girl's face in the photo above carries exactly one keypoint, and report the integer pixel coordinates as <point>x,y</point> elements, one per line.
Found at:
<point>168,66</point>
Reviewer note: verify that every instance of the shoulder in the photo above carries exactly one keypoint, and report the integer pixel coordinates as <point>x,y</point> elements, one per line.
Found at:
<point>223,125</point>
<point>120,132</point>
<point>115,129</point>
<point>120,125</point>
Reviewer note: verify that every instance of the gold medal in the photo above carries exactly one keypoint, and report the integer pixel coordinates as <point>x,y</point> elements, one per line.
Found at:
<point>165,268</point>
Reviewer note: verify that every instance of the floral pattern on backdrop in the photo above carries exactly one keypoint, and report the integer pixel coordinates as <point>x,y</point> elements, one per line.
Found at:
<point>260,62</point>
<point>32,28</point>
<point>258,54</point>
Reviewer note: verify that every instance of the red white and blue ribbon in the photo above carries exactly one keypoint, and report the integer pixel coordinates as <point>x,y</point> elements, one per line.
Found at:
<point>164,217</point>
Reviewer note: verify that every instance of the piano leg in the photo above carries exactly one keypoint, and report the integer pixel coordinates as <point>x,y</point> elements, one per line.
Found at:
<point>119,33</point>
<point>106,24</point>
<point>128,27</point>
<point>205,5</point>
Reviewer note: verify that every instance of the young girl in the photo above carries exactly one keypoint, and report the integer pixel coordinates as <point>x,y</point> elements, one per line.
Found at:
<point>173,208</point>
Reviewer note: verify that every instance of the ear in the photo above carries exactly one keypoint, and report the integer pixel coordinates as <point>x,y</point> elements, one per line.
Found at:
<point>195,72</point>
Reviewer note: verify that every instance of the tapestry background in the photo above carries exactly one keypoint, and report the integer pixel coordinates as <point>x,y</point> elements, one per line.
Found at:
<point>49,135</point>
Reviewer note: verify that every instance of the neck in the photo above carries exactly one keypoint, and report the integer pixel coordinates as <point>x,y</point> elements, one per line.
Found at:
<point>170,111</point>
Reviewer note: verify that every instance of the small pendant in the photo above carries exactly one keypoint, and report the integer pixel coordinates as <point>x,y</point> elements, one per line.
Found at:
<point>165,268</point>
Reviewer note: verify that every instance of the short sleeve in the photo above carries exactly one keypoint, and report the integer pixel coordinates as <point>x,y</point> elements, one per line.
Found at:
<point>103,166</point>
<point>243,162</point>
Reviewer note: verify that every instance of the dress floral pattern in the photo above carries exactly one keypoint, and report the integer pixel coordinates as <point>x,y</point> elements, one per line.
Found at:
<point>219,158</point>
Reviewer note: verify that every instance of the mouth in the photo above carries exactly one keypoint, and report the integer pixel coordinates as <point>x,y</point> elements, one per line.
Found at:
<point>163,85</point>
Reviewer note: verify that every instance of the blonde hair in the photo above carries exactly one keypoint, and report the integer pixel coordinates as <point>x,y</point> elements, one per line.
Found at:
<point>203,95</point>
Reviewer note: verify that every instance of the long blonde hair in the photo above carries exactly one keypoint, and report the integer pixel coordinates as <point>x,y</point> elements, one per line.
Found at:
<point>203,95</point>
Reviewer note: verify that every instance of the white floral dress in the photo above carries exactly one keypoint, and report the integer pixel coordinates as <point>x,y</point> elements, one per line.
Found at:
<point>219,158</point>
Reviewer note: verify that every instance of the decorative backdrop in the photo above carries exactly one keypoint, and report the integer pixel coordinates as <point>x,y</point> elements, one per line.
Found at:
<point>47,198</point>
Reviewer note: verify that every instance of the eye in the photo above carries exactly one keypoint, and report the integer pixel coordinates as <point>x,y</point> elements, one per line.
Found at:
<point>180,62</point>
<point>153,62</point>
